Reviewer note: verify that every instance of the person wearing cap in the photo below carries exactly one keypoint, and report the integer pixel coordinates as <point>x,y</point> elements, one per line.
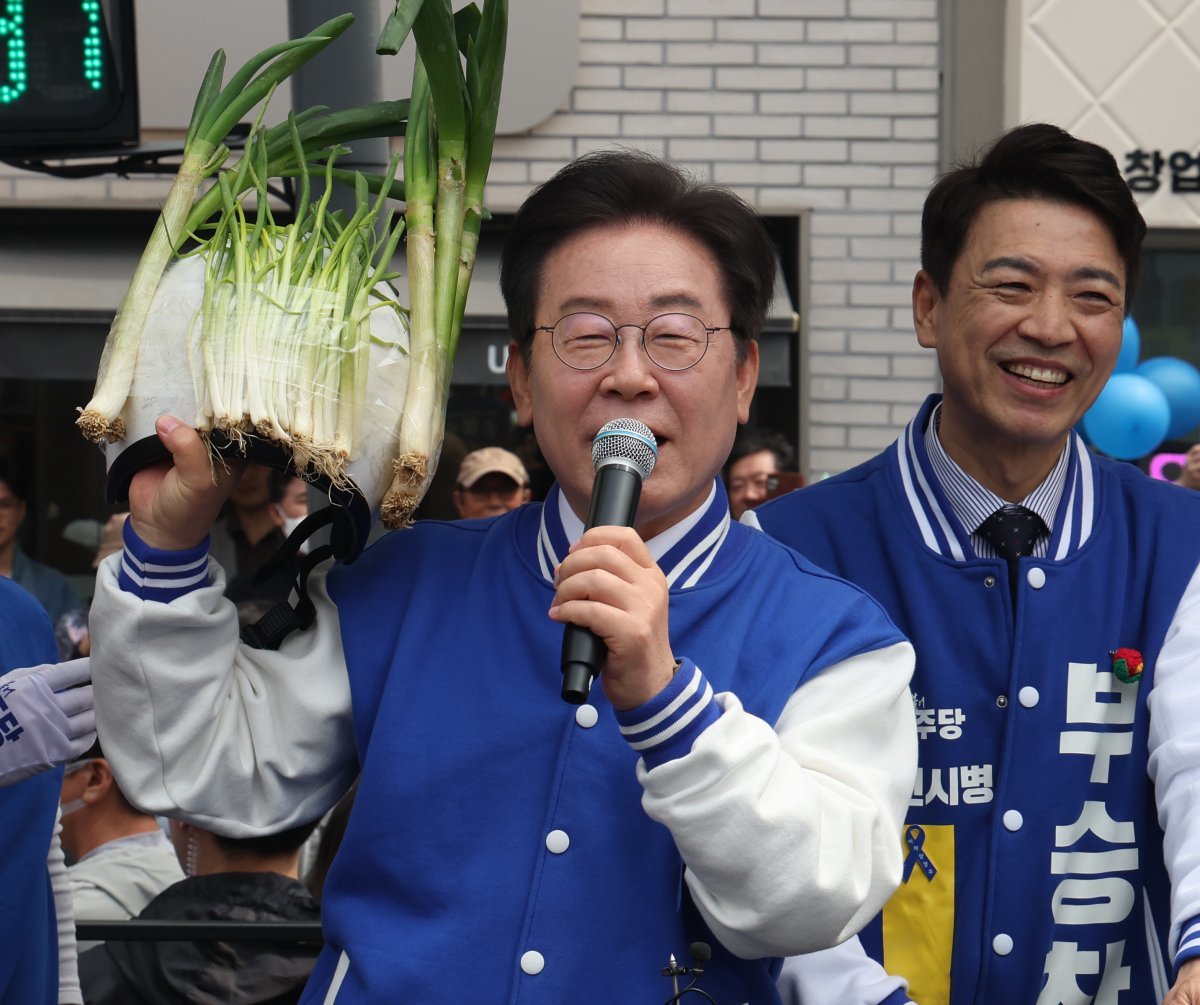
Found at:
<point>738,772</point>
<point>490,481</point>
<point>120,857</point>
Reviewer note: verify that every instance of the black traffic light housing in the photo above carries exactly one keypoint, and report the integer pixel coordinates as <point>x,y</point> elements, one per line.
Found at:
<point>68,76</point>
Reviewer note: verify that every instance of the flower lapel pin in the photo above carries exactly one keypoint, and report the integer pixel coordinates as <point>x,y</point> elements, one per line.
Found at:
<point>1127,665</point>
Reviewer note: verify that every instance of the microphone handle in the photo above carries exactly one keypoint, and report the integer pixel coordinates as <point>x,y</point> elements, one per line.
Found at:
<point>615,495</point>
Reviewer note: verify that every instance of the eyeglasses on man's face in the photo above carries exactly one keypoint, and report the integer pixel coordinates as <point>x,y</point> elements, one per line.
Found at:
<point>763,482</point>
<point>586,341</point>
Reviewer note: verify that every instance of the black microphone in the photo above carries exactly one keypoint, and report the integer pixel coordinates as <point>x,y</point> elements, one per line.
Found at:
<point>623,453</point>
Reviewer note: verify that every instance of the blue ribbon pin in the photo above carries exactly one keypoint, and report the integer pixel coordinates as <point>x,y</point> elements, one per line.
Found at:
<point>914,837</point>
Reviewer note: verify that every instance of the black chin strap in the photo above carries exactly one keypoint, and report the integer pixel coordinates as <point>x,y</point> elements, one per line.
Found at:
<point>269,631</point>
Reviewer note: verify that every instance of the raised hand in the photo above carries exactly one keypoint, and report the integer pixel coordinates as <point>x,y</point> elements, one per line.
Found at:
<point>174,503</point>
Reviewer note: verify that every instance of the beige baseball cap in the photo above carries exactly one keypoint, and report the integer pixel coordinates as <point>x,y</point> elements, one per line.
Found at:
<point>491,460</point>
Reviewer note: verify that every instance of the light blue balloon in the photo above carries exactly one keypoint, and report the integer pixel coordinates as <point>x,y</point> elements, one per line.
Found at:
<point>1129,419</point>
<point>1131,346</point>
<point>1180,382</point>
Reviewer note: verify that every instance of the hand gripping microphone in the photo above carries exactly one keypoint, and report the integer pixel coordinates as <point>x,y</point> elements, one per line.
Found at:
<point>623,453</point>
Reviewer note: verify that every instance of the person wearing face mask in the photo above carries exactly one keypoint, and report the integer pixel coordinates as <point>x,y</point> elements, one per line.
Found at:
<point>289,501</point>
<point>120,857</point>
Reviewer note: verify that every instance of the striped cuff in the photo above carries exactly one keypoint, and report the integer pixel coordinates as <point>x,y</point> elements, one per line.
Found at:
<point>155,574</point>
<point>666,726</point>
<point>1189,943</point>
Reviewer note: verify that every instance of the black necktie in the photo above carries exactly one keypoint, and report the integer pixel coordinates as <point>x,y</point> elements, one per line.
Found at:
<point>1011,531</point>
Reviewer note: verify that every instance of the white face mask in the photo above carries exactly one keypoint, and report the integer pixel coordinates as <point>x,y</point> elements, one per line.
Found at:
<point>74,805</point>
<point>290,523</point>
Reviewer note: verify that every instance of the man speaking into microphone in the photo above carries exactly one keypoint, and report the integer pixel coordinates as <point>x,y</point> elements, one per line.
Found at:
<point>738,771</point>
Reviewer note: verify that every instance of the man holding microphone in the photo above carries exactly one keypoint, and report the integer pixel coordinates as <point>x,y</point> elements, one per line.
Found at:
<point>739,772</point>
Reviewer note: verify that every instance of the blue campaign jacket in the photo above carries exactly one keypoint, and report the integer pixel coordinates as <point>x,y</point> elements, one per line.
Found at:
<point>28,929</point>
<point>1035,860</point>
<point>454,671</point>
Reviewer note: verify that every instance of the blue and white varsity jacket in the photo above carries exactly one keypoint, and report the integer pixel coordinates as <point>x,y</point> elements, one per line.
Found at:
<point>1036,868</point>
<point>506,846</point>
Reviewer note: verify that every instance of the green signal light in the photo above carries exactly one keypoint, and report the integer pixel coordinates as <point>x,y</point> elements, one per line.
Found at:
<point>12,35</point>
<point>93,63</point>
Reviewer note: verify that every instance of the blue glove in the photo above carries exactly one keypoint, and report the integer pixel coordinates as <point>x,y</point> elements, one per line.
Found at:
<point>46,718</point>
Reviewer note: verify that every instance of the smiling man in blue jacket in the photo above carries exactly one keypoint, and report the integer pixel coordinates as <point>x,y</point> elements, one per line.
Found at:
<point>1053,597</point>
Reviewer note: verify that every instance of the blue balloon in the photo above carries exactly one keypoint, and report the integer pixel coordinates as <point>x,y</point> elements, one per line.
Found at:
<point>1180,382</point>
<point>1131,346</point>
<point>1129,419</point>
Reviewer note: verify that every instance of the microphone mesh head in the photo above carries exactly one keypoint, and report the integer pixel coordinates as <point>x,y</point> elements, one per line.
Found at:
<point>629,440</point>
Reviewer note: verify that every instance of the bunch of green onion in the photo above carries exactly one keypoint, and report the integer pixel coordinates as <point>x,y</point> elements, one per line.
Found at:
<point>285,333</point>
<point>284,328</point>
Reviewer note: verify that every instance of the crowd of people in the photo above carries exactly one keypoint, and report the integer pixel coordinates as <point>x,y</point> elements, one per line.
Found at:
<point>918,732</point>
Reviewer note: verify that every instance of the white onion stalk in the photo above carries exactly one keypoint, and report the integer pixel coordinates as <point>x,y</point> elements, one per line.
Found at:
<point>285,326</point>
<point>448,149</point>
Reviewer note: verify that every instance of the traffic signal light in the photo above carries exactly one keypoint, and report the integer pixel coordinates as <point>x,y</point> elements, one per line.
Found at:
<point>68,75</point>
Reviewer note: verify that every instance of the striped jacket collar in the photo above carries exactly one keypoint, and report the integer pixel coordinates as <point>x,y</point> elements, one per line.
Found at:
<point>939,526</point>
<point>689,554</point>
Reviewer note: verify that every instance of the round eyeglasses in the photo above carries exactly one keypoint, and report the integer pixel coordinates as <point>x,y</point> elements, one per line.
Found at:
<point>586,341</point>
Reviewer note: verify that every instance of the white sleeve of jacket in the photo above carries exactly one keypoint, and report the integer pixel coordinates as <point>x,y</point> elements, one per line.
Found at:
<point>1174,762</point>
<point>844,974</point>
<point>791,835</point>
<point>236,740</point>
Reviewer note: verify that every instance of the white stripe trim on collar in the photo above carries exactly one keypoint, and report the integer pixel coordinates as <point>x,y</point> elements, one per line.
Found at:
<point>956,550</point>
<point>659,545</point>
<point>907,463</point>
<point>712,542</point>
<point>1088,490</point>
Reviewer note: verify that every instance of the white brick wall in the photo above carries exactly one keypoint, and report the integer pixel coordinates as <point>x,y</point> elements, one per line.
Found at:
<point>826,107</point>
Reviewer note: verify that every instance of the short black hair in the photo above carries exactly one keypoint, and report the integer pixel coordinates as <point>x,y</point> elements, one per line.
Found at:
<point>269,845</point>
<point>1036,161</point>
<point>614,188</point>
<point>278,482</point>
<point>754,439</point>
